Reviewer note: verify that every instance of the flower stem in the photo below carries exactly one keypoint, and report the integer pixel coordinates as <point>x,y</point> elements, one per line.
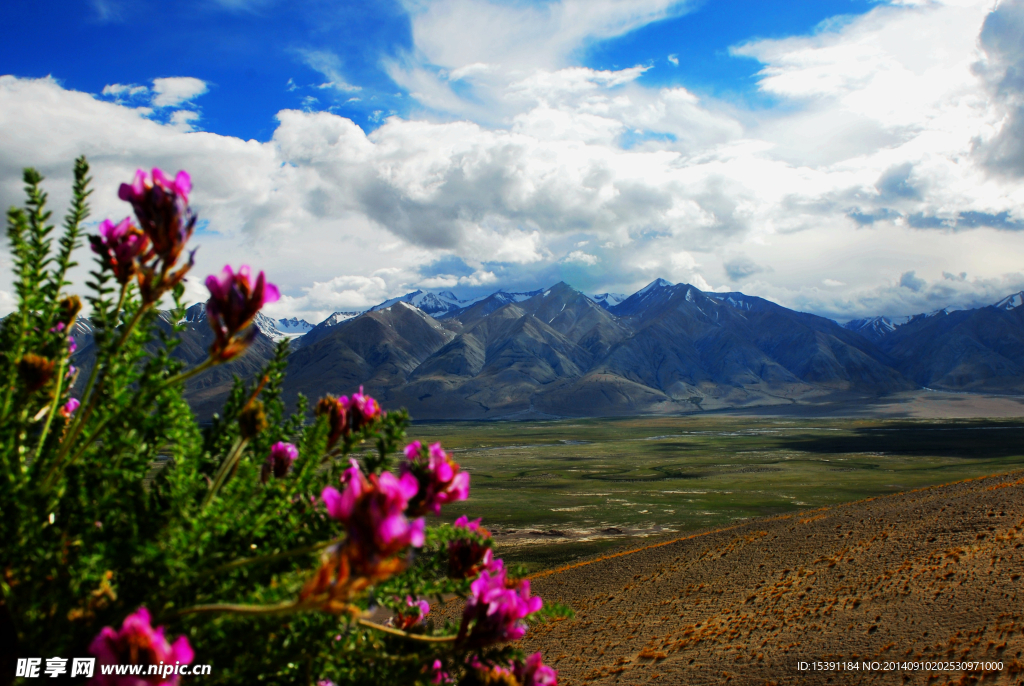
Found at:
<point>53,409</point>
<point>186,375</point>
<point>397,632</point>
<point>262,559</point>
<point>292,606</point>
<point>225,468</point>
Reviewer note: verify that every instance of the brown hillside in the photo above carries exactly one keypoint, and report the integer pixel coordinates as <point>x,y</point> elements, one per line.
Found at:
<point>930,575</point>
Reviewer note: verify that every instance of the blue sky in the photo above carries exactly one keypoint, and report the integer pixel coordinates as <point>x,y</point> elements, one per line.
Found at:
<point>258,57</point>
<point>814,153</point>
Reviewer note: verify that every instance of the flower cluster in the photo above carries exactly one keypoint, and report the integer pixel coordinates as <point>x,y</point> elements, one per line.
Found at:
<point>496,608</point>
<point>440,480</point>
<point>235,300</point>
<point>137,643</point>
<point>120,246</point>
<point>279,461</point>
<point>534,672</point>
<point>347,415</point>
<point>166,220</point>
<point>418,609</point>
<point>467,557</point>
<point>373,511</point>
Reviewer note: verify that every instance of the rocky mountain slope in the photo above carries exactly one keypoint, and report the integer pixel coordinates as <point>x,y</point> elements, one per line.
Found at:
<point>979,350</point>
<point>667,348</point>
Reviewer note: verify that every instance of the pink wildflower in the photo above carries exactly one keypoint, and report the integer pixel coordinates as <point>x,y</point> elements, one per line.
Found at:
<point>161,206</point>
<point>418,610</point>
<point>534,672</point>
<point>138,643</point>
<point>440,479</point>
<point>496,611</point>
<point>119,247</point>
<point>279,461</point>
<point>361,409</point>
<point>235,299</point>
<point>438,675</point>
<point>347,415</point>
<point>466,556</point>
<point>69,408</point>
<point>372,511</point>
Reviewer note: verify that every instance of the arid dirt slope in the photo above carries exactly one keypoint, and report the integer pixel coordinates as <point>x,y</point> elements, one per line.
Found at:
<point>934,574</point>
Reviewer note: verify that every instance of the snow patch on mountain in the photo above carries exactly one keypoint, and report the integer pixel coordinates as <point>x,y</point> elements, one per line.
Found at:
<point>293,326</point>
<point>426,301</point>
<point>1010,302</point>
<point>608,300</point>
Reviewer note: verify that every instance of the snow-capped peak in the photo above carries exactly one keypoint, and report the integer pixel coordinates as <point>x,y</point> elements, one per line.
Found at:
<point>1010,302</point>
<point>654,285</point>
<point>337,318</point>
<point>431,303</point>
<point>293,326</point>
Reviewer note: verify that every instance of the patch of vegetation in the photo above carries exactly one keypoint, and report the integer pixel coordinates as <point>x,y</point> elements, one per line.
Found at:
<point>655,476</point>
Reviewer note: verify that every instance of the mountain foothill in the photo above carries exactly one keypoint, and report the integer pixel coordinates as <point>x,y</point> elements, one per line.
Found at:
<point>668,348</point>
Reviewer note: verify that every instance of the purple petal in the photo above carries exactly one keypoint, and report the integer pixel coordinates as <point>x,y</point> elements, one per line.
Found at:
<point>333,500</point>
<point>393,527</point>
<point>183,184</point>
<point>417,532</point>
<point>270,293</point>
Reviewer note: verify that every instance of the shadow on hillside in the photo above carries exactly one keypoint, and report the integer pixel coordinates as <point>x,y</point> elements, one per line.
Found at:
<point>976,440</point>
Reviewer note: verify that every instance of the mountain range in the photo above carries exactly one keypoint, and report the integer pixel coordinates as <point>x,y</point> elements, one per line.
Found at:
<point>668,348</point>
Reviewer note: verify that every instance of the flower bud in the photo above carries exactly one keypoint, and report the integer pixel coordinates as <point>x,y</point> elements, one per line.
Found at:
<point>337,418</point>
<point>120,247</point>
<point>68,310</point>
<point>35,371</point>
<point>235,299</point>
<point>252,419</point>
<point>69,408</point>
<point>161,206</point>
<point>279,461</point>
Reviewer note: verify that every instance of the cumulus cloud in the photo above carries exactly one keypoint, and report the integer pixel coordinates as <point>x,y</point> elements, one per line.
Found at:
<point>909,280</point>
<point>580,257</point>
<point>175,90</point>
<point>1002,67</point>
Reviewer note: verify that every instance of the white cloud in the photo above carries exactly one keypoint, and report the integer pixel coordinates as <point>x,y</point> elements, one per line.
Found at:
<point>121,91</point>
<point>674,60</point>
<point>175,90</point>
<point>329,65</point>
<point>182,120</point>
<point>580,257</point>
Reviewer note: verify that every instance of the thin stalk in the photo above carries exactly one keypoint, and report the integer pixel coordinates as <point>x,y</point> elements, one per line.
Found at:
<point>397,632</point>
<point>86,393</point>
<point>53,409</point>
<point>90,394</point>
<point>263,559</point>
<point>185,376</point>
<point>293,606</point>
<point>51,475</point>
<point>225,468</point>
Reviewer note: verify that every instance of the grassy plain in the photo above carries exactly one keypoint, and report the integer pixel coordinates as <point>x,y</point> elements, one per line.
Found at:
<point>554,491</point>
